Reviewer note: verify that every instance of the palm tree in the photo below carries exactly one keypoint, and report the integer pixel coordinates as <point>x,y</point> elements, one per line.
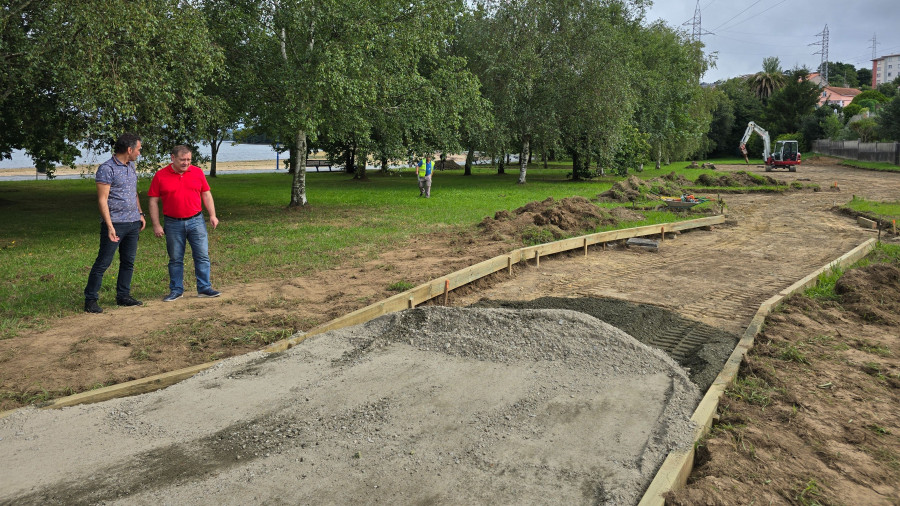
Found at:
<point>770,80</point>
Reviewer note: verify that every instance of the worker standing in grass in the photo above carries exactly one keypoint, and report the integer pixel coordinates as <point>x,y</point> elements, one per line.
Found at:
<point>424,172</point>
<point>121,221</point>
<point>182,187</point>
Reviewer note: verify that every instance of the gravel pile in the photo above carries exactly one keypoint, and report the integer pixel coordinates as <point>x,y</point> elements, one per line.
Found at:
<point>438,405</point>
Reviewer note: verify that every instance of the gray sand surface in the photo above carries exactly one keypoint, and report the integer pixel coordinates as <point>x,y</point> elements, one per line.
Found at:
<point>430,405</point>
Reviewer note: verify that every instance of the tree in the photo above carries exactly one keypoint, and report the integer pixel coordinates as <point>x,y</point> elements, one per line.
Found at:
<point>791,103</point>
<point>841,74</point>
<point>889,120</point>
<point>865,128</point>
<point>870,95</point>
<point>770,80</point>
<point>312,61</point>
<point>744,106</point>
<point>671,106</point>
<point>85,72</point>
<point>864,77</point>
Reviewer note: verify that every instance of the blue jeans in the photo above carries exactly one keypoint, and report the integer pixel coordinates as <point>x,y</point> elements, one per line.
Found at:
<point>128,241</point>
<point>192,231</point>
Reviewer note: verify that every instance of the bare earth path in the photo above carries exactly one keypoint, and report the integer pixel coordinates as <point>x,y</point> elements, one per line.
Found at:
<point>721,277</point>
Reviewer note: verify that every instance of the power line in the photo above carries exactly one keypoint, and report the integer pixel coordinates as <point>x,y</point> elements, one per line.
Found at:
<point>738,14</point>
<point>760,13</point>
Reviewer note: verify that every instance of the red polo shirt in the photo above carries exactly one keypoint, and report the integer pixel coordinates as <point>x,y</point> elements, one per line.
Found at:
<point>179,193</point>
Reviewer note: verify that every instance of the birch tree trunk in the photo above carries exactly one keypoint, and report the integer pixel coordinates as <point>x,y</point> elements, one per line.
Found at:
<point>298,168</point>
<point>360,168</point>
<point>523,159</point>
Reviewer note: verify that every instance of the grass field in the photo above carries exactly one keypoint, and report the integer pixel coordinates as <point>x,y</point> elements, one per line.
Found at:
<point>883,210</point>
<point>49,231</point>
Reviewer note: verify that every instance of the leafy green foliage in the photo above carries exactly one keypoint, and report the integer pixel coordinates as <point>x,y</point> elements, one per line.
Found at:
<point>791,103</point>
<point>870,95</point>
<point>889,120</point>
<point>771,79</point>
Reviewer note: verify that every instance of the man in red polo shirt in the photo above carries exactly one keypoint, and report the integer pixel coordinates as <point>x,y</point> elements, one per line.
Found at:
<point>182,187</point>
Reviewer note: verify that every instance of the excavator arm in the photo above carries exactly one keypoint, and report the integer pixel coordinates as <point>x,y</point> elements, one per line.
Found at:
<point>767,143</point>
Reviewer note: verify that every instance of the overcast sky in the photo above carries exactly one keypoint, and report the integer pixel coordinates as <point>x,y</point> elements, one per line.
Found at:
<point>746,31</point>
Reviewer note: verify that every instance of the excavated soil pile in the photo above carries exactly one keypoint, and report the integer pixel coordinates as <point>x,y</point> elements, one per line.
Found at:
<point>741,178</point>
<point>428,406</point>
<point>634,188</point>
<point>550,220</point>
<point>447,165</point>
<point>872,292</point>
<point>702,350</point>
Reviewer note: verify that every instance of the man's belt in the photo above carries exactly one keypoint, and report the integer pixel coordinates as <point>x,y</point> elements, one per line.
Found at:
<point>181,219</point>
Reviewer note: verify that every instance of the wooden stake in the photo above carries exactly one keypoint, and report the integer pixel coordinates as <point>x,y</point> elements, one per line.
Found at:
<point>537,258</point>
<point>585,246</point>
<point>509,264</point>
<point>410,304</point>
<point>662,233</point>
<point>446,290</point>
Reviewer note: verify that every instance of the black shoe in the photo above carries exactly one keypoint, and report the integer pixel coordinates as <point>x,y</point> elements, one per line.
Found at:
<point>209,293</point>
<point>172,296</point>
<point>128,300</point>
<point>91,306</point>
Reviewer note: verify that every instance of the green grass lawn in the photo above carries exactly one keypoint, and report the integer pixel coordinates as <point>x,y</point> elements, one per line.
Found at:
<point>885,210</point>
<point>49,229</point>
<point>882,166</point>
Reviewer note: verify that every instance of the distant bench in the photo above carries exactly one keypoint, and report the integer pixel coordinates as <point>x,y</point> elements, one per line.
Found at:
<point>318,163</point>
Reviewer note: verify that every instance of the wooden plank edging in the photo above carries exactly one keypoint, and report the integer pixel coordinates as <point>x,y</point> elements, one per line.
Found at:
<point>677,467</point>
<point>398,302</point>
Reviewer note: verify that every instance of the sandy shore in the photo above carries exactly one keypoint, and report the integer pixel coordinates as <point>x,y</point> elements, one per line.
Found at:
<point>63,170</point>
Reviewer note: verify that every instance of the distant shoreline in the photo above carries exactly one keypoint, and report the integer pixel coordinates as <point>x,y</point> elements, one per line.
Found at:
<point>88,168</point>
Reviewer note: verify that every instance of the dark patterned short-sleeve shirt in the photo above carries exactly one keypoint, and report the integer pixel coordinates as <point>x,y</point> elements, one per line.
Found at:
<point>122,181</point>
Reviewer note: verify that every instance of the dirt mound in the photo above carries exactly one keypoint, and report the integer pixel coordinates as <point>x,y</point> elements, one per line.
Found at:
<point>447,165</point>
<point>635,188</point>
<point>704,165</point>
<point>549,220</point>
<point>741,178</point>
<point>872,292</point>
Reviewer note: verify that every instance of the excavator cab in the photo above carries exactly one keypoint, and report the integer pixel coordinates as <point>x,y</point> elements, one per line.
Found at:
<point>786,154</point>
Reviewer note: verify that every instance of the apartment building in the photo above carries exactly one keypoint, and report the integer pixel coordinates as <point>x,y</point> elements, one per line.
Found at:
<point>885,69</point>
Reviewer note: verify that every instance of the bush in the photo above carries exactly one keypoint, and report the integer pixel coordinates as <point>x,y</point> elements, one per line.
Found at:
<point>870,95</point>
<point>850,111</point>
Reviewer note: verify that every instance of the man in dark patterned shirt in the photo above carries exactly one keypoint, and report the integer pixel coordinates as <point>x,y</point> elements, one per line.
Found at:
<point>121,221</point>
